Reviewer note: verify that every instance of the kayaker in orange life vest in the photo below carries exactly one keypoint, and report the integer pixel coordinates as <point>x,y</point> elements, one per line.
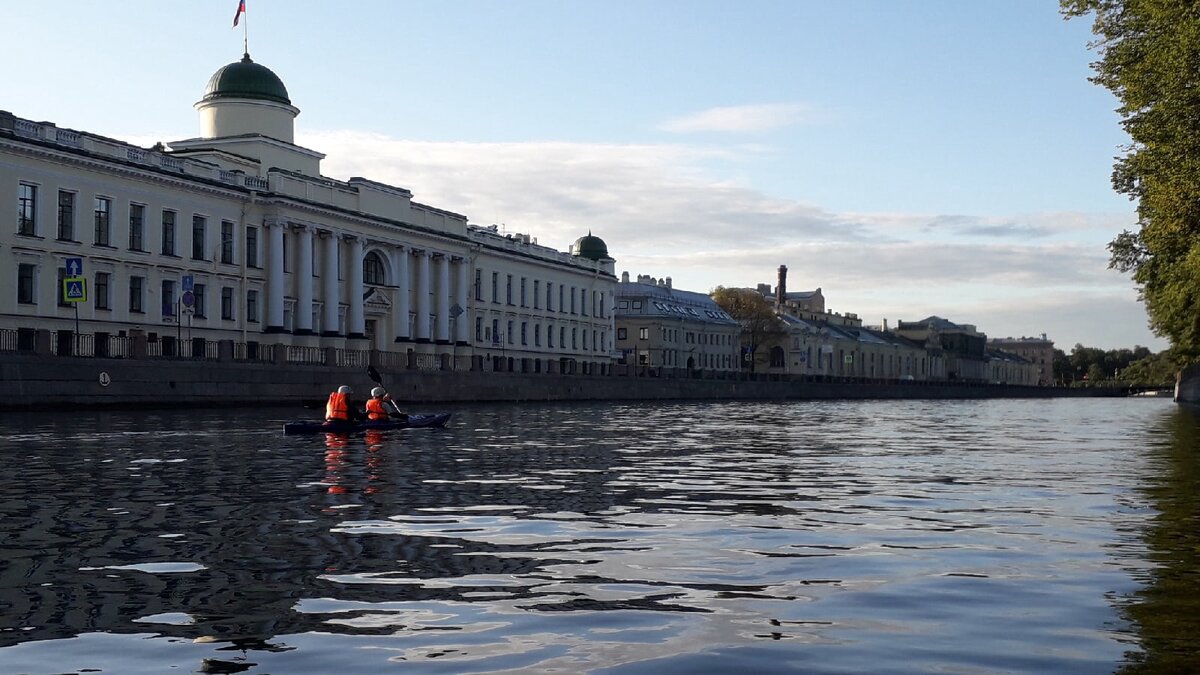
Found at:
<point>377,406</point>
<point>340,408</point>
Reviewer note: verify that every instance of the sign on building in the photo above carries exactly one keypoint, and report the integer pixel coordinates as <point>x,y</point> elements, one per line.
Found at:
<point>74,289</point>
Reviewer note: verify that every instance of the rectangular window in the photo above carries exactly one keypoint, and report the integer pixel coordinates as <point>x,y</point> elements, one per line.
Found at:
<point>252,306</point>
<point>495,331</point>
<point>478,285</point>
<point>168,233</point>
<point>286,265</point>
<point>508,295</point>
<point>66,215</point>
<point>226,303</point>
<point>198,301</point>
<point>27,209</point>
<point>137,227</point>
<point>199,225</point>
<point>574,338</point>
<point>537,293</point>
<point>572,299</point>
<point>550,335</point>
<point>549,295</point>
<point>100,292</point>
<point>561,309</point>
<point>168,297</point>
<point>26,274</point>
<point>621,333</point>
<point>524,302</point>
<point>252,248</point>
<point>537,333</point>
<point>510,332</point>
<point>137,295</point>
<point>58,293</point>
<point>495,287</point>
<point>103,221</point>
<point>227,242</point>
<point>478,325</point>
<point>643,333</point>
<point>524,333</point>
<point>562,337</point>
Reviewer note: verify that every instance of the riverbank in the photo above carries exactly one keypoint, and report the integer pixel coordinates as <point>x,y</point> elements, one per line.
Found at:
<point>31,381</point>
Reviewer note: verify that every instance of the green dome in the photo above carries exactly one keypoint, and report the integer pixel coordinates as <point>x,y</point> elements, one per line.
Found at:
<point>592,248</point>
<point>246,79</point>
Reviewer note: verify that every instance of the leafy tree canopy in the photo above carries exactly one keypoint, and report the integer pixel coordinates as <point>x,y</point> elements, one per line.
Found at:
<point>760,324</point>
<point>1149,51</point>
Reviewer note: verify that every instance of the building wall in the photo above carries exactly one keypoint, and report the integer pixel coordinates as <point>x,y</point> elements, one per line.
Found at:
<point>1039,352</point>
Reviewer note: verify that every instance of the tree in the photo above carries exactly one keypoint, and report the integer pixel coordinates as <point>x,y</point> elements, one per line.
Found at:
<point>1148,50</point>
<point>760,324</point>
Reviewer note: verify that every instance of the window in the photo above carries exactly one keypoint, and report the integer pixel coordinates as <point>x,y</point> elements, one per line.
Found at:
<point>537,332</point>
<point>168,233</point>
<point>168,297</point>
<point>495,331</point>
<point>137,227</point>
<point>510,332</point>
<point>252,306</point>
<point>227,242</point>
<point>58,292</point>
<point>226,303</point>
<point>198,300</point>
<point>537,293</point>
<point>621,333</point>
<point>136,294</point>
<point>26,274</point>
<point>572,299</point>
<point>66,215</point>
<point>103,222</point>
<point>524,302</point>
<point>252,247</point>
<point>286,265</point>
<point>100,292</point>
<point>495,287</point>
<point>478,320</point>
<point>199,225</point>
<point>524,333</point>
<point>560,298</point>
<point>643,333</point>
<point>373,269</point>
<point>27,210</point>
<point>583,301</point>
<point>508,295</point>
<point>622,304</point>
<point>478,286</point>
<point>574,338</point>
<point>562,337</point>
<point>550,335</point>
<point>549,294</point>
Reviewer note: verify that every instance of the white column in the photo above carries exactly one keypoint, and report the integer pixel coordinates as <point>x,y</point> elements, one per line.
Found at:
<point>403,305</point>
<point>275,287</point>
<point>304,281</point>
<point>442,296</point>
<point>463,324</point>
<point>329,283</point>
<point>423,286</point>
<point>357,324</point>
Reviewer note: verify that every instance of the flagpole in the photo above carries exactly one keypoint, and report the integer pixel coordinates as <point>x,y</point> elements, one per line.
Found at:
<point>246,32</point>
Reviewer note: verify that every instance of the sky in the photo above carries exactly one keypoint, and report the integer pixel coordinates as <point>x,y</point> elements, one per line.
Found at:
<point>909,159</point>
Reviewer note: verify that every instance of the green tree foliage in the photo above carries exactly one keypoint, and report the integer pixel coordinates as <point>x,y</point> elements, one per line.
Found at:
<point>760,325</point>
<point>1133,367</point>
<point>1149,51</point>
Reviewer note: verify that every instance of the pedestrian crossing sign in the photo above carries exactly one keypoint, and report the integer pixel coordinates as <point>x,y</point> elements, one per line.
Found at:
<point>74,289</point>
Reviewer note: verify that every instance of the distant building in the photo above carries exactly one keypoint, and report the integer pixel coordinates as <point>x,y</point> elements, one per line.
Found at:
<point>1008,368</point>
<point>661,326</point>
<point>1038,351</point>
<point>965,349</point>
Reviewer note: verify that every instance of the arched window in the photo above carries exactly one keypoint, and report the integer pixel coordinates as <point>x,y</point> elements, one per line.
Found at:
<point>777,357</point>
<point>373,274</point>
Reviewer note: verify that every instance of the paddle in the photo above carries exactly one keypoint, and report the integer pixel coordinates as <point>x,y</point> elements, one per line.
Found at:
<point>377,379</point>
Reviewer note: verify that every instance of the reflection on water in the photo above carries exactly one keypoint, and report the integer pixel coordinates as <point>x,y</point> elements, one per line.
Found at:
<point>853,536</point>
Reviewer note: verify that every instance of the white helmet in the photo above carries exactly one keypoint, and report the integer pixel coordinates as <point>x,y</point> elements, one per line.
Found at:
<point>378,391</point>
<point>345,390</point>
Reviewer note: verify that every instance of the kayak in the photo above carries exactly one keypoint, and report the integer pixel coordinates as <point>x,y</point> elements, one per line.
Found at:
<point>414,421</point>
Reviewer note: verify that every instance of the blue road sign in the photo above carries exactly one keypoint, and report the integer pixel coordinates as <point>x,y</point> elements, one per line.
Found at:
<point>189,282</point>
<point>188,298</point>
<point>74,289</point>
<point>74,267</point>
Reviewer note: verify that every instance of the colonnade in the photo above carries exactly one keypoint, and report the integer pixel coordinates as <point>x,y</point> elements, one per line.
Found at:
<point>432,289</point>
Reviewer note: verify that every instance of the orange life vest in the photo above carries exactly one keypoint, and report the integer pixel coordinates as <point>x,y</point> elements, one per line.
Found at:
<point>338,408</point>
<point>376,410</point>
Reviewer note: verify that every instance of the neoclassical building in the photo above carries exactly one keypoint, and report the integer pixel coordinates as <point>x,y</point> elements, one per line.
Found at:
<point>662,326</point>
<point>236,235</point>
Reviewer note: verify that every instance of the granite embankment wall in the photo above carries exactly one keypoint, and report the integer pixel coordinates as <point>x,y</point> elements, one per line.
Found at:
<point>36,381</point>
<point>1187,385</point>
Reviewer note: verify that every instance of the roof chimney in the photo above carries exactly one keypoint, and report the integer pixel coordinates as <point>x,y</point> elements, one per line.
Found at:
<point>625,277</point>
<point>781,290</point>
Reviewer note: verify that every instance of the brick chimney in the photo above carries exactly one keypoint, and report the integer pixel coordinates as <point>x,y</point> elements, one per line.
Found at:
<point>781,290</point>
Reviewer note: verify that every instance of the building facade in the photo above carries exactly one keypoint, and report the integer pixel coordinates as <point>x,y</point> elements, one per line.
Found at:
<point>661,326</point>
<point>236,235</point>
<point>1038,351</point>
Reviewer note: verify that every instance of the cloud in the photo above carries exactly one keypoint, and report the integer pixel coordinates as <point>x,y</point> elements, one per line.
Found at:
<point>743,118</point>
<point>662,214</point>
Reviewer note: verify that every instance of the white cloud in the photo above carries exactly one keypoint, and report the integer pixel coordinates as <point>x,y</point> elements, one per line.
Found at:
<point>742,118</point>
<point>661,215</point>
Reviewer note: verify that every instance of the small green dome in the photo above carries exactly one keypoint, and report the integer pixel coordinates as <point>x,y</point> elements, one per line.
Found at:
<point>246,79</point>
<point>590,247</point>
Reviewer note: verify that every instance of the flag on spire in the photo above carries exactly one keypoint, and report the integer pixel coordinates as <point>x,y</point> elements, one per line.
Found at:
<point>240,11</point>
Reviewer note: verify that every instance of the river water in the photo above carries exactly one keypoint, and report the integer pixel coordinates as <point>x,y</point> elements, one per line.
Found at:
<point>840,536</point>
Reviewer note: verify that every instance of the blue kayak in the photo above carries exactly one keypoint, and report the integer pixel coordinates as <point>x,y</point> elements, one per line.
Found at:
<point>414,421</point>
